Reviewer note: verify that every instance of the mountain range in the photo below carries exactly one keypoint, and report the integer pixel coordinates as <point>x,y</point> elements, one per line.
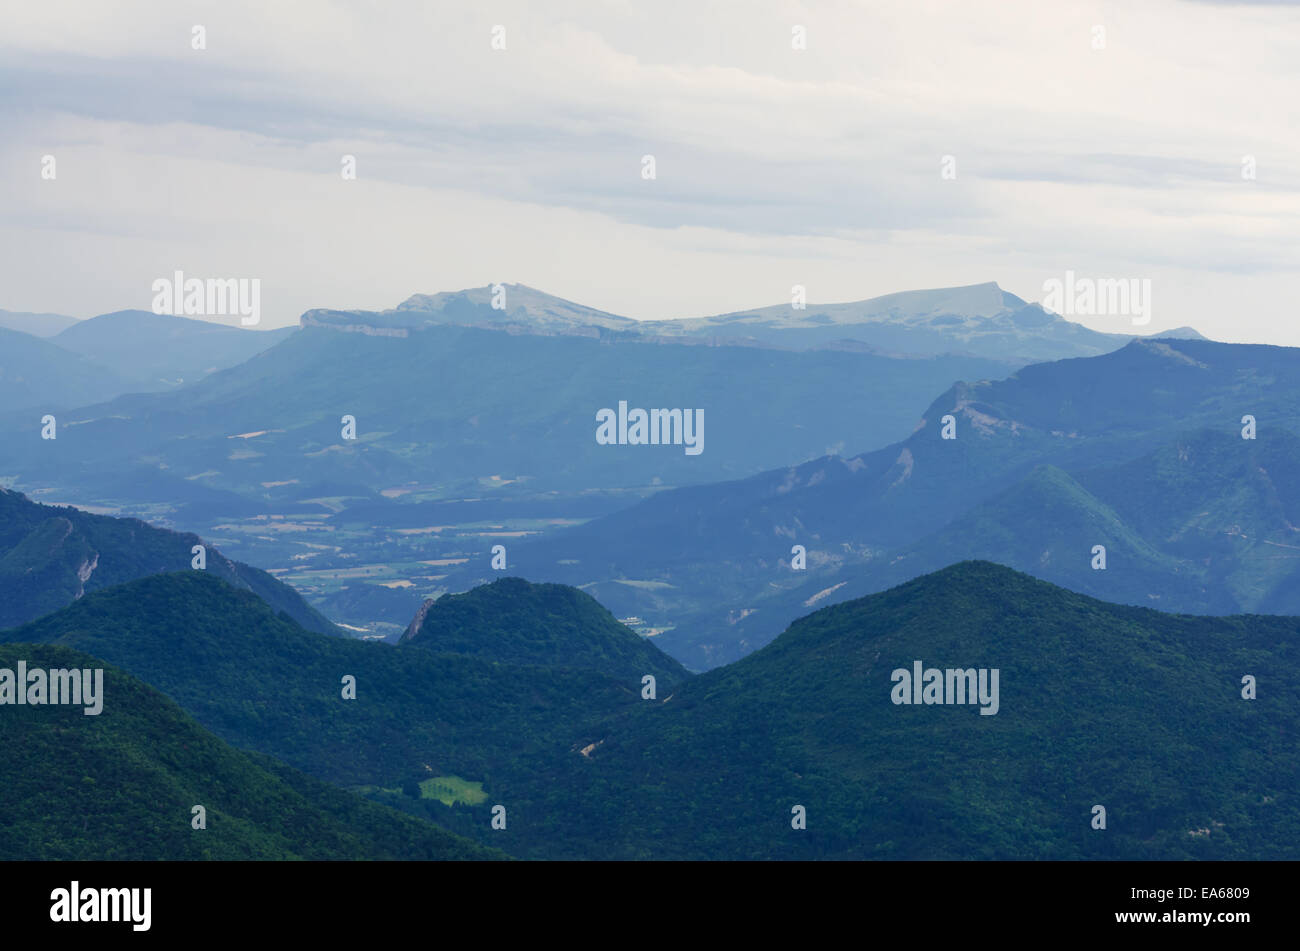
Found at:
<point>37,325</point>
<point>975,320</point>
<point>254,456</point>
<point>163,351</point>
<point>37,376</point>
<point>1098,704</point>
<point>272,426</point>
<point>261,681</point>
<point>254,459</point>
<point>1155,427</point>
<point>1140,712</point>
<point>48,362</point>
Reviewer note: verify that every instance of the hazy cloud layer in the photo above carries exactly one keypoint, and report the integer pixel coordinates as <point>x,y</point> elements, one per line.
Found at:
<point>774,166</point>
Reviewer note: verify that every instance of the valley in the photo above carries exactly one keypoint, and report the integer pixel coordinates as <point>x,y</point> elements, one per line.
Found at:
<point>629,447</point>
<point>494,586</point>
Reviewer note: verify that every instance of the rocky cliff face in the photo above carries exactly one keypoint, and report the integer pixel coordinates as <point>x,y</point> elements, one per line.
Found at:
<point>338,320</point>
<point>414,627</point>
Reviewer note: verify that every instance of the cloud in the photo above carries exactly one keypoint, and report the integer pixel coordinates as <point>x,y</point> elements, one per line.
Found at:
<point>774,166</point>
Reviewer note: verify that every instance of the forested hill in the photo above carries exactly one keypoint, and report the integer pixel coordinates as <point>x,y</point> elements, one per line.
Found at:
<point>554,625</point>
<point>50,555</point>
<point>1098,704</point>
<point>123,784</point>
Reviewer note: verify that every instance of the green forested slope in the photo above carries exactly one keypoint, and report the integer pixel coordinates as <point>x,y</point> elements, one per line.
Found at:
<point>121,785</point>
<point>260,681</point>
<point>50,555</point>
<point>1138,711</point>
<point>554,625</point>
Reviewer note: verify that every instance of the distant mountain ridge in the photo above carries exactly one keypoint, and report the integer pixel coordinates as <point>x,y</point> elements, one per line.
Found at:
<point>38,325</point>
<point>39,376</point>
<point>526,310</point>
<point>1206,524</point>
<point>162,351</point>
<point>728,545</point>
<point>270,427</point>
<point>978,319</point>
<point>51,363</point>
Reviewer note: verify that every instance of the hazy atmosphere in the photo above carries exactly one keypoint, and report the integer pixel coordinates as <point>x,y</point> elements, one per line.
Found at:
<point>1125,141</point>
<point>775,433</point>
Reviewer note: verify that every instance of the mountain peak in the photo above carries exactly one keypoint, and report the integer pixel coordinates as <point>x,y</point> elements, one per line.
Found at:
<point>513,304</point>
<point>981,320</point>
<point>516,621</point>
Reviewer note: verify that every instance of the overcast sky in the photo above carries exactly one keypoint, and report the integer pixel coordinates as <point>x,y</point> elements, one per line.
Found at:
<point>774,166</point>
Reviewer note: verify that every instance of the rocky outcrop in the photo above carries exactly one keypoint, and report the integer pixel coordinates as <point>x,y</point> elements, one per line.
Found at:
<point>414,627</point>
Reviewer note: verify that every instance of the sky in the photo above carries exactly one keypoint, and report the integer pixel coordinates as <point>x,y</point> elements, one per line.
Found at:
<point>1148,140</point>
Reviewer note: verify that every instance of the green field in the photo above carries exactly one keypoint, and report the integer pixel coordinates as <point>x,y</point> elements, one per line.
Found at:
<point>451,790</point>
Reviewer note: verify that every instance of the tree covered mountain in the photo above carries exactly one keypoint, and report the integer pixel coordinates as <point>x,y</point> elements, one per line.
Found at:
<point>260,681</point>
<point>52,555</point>
<point>1203,525</point>
<point>516,622</point>
<point>464,406</point>
<point>489,406</point>
<point>715,560</point>
<point>122,785</point>
<point>1137,711</point>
